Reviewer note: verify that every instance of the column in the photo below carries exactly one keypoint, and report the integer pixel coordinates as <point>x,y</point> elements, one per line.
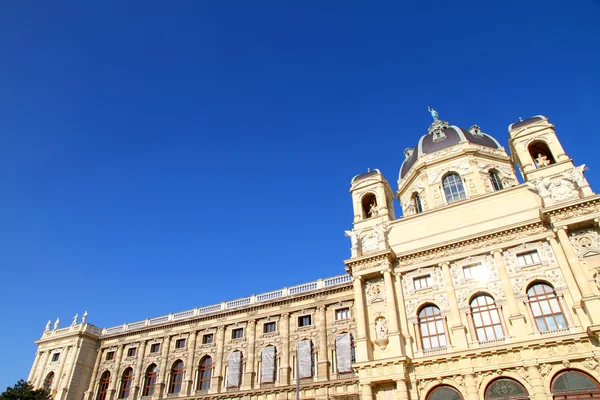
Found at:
<point>367,392</point>
<point>189,364</point>
<point>395,343</point>
<point>161,384</point>
<point>401,389</point>
<point>535,380</point>
<point>116,376</point>
<point>323,363</point>
<point>459,333</point>
<point>573,291</point>
<point>362,351</point>
<point>406,338</point>
<point>38,356</point>
<point>471,387</point>
<point>249,374</point>
<point>70,366</point>
<point>578,271</point>
<point>284,368</point>
<point>514,315</point>
<point>217,378</point>
<point>137,383</point>
<point>89,394</point>
<point>62,361</point>
<point>39,379</point>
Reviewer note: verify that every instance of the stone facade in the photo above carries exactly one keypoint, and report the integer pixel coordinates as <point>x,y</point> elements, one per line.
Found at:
<point>485,288</point>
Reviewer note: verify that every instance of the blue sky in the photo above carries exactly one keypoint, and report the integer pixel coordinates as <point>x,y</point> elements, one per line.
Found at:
<point>156,157</point>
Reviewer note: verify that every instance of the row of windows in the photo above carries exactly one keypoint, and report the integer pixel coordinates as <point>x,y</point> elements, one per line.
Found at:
<point>268,370</point>
<point>454,189</point>
<point>486,319</point>
<point>568,384</point>
<point>478,271</point>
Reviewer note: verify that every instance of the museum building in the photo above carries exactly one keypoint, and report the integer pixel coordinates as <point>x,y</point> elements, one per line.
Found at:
<point>485,288</point>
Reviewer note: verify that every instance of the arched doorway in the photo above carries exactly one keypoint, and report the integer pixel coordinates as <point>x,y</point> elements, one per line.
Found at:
<point>505,389</point>
<point>574,385</point>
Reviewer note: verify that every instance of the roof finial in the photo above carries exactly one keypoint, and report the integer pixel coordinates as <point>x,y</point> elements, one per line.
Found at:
<point>434,114</point>
<point>520,119</point>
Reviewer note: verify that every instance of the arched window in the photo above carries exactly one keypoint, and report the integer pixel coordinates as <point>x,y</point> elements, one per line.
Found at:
<point>103,386</point>
<point>453,188</point>
<point>431,328</point>
<point>545,307</point>
<point>506,389</point>
<point>205,373</point>
<point>416,203</point>
<point>369,205</point>
<point>126,380</point>
<point>150,380</point>
<point>49,381</point>
<point>486,318</point>
<point>571,384</point>
<point>176,377</point>
<point>444,392</point>
<point>495,180</point>
<point>541,154</point>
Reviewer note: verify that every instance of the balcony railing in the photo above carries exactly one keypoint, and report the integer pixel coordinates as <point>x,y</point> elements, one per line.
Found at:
<point>227,305</point>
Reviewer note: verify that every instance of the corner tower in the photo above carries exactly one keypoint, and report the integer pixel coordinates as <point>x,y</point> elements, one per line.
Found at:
<point>545,166</point>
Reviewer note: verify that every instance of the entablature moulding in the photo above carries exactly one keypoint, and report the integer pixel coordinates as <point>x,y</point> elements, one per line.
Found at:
<point>238,318</point>
<point>373,263</point>
<point>573,212</point>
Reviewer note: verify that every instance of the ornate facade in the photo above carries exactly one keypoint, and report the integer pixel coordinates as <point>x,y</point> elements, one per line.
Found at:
<point>485,288</point>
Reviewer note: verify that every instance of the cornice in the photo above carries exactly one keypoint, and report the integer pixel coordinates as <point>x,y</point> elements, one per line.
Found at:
<point>379,258</point>
<point>480,242</point>
<point>573,210</point>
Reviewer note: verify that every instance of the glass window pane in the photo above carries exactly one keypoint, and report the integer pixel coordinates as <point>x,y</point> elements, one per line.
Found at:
<point>434,342</point>
<point>477,319</point>
<point>495,316</point>
<point>535,308</point>
<point>554,305</point>
<point>442,339</point>
<point>545,307</point>
<point>560,320</point>
<point>499,332</point>
<point>424,330</point>
<point>440,326</point>
<point>551,323</point>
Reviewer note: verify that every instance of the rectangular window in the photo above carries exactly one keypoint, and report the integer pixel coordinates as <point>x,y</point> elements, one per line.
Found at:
<point>270,327</point>
<point>131,351</point>
<point>55,357</point>
<point>110,355</point>
<point>207,339</point>
<point>422,282</point>
<point>154,347</point>
<point>304,320</point>
<point>529,258</point>
<point>180,343</point>
<point>342,313</point>
<point>237,333</point>
<point>472,271</point>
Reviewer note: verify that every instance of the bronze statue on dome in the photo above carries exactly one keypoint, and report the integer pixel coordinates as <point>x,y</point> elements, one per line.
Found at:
<point>434,114</point>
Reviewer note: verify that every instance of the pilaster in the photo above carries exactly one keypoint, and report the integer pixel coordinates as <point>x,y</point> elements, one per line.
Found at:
<point>89,394</point>
<point>458,330</point>
<point>516,318</point>
<point>249,374</point>
<point>323,363</point>
<point>395,342</point>
<point>217,379</point>
<point>284,369</point>
<point>189,365</point>
<point>361,342</point>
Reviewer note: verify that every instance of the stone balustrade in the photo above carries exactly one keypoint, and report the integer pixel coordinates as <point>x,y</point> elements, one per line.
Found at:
<point>228,305</point>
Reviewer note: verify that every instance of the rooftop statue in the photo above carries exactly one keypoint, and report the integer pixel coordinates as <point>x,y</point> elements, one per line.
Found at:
<point>434,114</point>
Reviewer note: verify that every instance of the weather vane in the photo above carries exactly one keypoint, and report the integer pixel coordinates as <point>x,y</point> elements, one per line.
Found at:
<point>434,114</point>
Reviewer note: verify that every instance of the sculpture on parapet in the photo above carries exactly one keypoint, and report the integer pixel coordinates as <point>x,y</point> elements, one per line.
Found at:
<point>75,320</point>
<point>48,326</point>
<point>56,323</point>
<point>84,317</point>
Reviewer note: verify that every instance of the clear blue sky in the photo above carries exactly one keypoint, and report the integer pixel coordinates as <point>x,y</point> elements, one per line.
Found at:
<point>158,156</point>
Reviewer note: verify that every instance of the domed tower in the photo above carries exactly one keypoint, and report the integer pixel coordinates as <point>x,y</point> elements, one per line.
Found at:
<point>451,164</point>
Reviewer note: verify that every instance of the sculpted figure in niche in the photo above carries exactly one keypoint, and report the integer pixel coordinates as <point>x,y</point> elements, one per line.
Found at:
<point>542,161</point>
<point>381,329</point>
<point>372,209</point>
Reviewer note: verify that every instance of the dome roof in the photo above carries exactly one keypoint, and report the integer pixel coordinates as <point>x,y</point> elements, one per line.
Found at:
<point>442,136</point>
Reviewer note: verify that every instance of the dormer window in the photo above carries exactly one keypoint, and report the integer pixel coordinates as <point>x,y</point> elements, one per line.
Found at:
<point>408,152</point>
<point>495,181</point>
<point>416,203</point>
<point>454,189</point>
<point>476,131</point>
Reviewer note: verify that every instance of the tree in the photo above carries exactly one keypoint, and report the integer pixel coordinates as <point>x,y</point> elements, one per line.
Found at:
<point>25,391</point>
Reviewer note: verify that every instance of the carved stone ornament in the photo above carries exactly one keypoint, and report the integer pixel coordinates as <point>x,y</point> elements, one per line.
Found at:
<point>563,187</point>
<point>381,333</point>
<point>375,291</point>
<point>545,369</point>
<point>591,364</point>
<point>585,242</point>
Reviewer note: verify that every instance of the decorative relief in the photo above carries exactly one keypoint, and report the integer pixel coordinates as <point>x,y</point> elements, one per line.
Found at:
<point>544,250</point>
<point>585,242</point>
<point>562,187</point>
<point>410,307</point>
<point>375,291</point>
<point>574,211</point>
<point>436,279</point>
<point>554,276</point>
<point>545,369</point>
<point>436,176</point>
<point>474,244</point>
<point>591,364</point>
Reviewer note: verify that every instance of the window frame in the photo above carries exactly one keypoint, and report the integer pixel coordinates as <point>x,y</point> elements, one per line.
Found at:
<point>495,180</point>
<point>103,386</point>
<point>234,333</point>
<point>417,203</point>
<point>425,321</point>
<point>344,312</point>
<point>301,320</point>
<point>522,255</point>
<point>180,343</point>
<point>55,357</point>
<point>131,352</point>
<point>154,349</point>
<point>126,381</point>
<point>479,312</point>
<point>208,338</point>
<point>205,374</point>
<point>110,355</point>
<point>454,190</point>
<point>267,325</point>
<point>542,301</point>
<point>176,378</point>
<point>150,380</point>
<point>428,279</point>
